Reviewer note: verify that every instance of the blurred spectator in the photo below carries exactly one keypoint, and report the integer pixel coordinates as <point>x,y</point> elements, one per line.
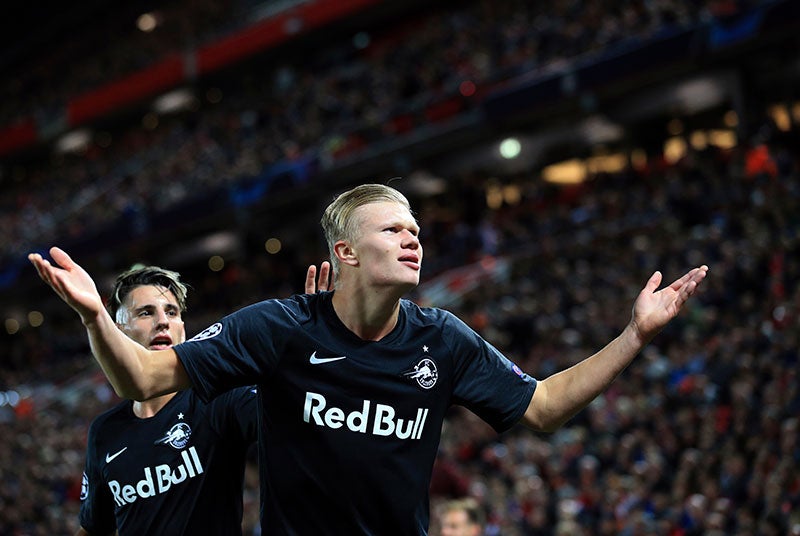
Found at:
<point>461,517</point>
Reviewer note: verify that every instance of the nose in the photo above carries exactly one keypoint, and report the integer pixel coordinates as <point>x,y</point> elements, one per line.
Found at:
<point>162,320</point>
<point>410,240</point>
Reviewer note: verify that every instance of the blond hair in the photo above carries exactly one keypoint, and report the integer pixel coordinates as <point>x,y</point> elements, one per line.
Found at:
<point>338,222</point>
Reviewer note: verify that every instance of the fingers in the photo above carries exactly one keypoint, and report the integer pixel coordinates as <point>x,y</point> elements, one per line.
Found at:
<point>53,273</point>
<point>311,275</point>
<point>687,285</point>
<point>321,283</point>
<point>653,282</point>
<point>324,282</point>
<point>61,258</point>
<point>46,273</point>
<point>695,274</point>
<point>42,267</point>
<point>701,273</point>
<point>684,293</point>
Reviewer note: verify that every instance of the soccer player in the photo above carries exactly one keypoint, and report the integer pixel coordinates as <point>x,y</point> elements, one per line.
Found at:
<point>172,464</point>
<point>354,383</point>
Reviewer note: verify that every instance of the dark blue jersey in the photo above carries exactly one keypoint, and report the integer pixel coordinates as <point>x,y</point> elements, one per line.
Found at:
<point>352,427</point>
<point>178,472</point>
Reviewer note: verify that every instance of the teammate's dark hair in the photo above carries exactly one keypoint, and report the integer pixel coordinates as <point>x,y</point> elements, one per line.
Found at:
<point>146,276</point>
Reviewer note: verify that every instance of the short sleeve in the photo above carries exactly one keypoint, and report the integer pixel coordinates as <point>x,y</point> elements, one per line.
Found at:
<point>239,350</point>
<point>235,414</point>
<point>97,505</point>
<point>485,381</point>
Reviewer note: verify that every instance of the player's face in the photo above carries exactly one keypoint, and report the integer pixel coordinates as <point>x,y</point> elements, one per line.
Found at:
<point>456,523</point>
<point>150,316</point>
<point>387,244</point>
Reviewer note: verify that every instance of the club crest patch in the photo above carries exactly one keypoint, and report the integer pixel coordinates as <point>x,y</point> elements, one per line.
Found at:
<point>177,437</point>
<point>424,373</point>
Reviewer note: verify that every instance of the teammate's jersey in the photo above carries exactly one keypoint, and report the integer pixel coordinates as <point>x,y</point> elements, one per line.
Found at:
<point>350,428</point>
<point>178,472</point>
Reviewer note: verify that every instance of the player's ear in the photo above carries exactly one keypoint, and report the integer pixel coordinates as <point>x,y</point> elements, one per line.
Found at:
<point>345,253</point>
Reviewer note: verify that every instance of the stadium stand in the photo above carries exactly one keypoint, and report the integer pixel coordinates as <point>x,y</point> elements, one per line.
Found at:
<point>699,436</point>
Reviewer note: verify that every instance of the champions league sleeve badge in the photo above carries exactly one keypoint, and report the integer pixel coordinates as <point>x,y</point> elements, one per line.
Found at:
<point>84,486</point>
<point>209,332</point>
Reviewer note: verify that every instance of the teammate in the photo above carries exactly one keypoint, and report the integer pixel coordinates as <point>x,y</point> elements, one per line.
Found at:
<point>354,383</point>
<point>172,464</point>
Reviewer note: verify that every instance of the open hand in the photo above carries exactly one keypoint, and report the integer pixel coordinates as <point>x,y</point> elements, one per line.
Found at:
<point>653,308</point>
<point>71,282</point>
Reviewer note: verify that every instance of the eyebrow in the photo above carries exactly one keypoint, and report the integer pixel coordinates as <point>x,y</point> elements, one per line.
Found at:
<point>406,224</point>
<point>151,306</point>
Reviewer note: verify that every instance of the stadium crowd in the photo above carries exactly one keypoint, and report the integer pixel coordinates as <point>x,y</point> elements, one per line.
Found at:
<point>698,438</point>
<point>336,101</point>
<point>700,435</point>
<point>119,48</point>
<point>50,76</point>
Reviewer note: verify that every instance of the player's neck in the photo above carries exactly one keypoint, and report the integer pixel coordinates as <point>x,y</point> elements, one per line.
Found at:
<point>149,408</point>
<point>369,315</point>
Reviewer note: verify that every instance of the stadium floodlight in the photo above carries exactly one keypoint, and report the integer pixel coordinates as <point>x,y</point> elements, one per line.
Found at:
<point>174,101</point>
<point>147,22</point>
<point>510,148</point>
<point>74,142</point>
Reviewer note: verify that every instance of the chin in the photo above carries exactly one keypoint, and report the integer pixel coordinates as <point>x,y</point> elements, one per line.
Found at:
<point>409,285</point>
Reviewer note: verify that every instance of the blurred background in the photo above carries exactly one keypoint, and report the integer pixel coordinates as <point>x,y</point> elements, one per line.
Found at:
<point>557,153</point>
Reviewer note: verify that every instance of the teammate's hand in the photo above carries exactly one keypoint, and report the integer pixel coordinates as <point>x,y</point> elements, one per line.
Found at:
<point>325,282</point>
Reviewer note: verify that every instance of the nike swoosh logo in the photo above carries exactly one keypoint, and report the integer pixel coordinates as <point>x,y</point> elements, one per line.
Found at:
<point>112,456</point>
<point>314,360</point>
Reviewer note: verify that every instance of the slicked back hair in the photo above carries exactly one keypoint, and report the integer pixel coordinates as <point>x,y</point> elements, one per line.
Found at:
<point>146,276</point>
<point>338,222</point>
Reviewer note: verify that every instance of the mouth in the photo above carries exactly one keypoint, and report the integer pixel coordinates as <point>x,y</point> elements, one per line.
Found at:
<point>410,260</point>
<point>162,342</point>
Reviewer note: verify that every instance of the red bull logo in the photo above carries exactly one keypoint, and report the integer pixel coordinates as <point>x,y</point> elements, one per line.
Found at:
<point>383,421</point>
<point>158,479</point>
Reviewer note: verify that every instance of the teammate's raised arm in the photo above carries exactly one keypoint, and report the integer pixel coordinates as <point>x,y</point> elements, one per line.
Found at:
<point>134,371</point>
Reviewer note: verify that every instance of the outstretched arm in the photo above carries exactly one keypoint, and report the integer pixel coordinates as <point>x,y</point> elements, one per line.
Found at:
<point>133,370</point>
<point>559,397</point>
